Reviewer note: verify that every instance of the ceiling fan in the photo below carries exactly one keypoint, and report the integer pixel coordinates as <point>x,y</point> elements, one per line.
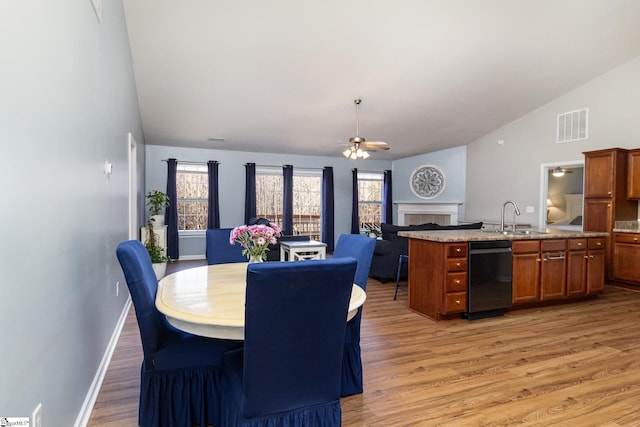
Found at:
<point>359,145</point>
<point>559,172</point>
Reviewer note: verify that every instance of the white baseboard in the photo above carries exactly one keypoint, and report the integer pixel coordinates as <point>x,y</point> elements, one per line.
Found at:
<point>191,257</point>
<point>94,390</point>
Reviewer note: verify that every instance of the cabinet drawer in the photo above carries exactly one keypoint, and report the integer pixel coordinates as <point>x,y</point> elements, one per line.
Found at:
<point>455,302</point>
<point>627,238</point>
<point>597,243</point>
<point>576,244</point>
<point>456,282</point>
<point>457,264</point>
<point>525,246</point>
<point>457,250</point>
<point>553,245</point>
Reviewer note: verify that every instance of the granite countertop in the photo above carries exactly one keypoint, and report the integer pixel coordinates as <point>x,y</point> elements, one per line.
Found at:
<point>626,227</point>
<point>479,235</point>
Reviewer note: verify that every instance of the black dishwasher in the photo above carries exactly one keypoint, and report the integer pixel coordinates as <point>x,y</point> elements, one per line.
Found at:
<point>489,280</point>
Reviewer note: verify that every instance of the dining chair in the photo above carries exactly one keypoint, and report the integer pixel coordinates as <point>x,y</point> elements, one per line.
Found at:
<point>288,373</point>
<point>180,373</point>
<point>361,248</point>
<point>219,250</point>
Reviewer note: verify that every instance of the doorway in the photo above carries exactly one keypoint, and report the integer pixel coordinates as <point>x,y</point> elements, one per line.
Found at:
<point>562,195</point>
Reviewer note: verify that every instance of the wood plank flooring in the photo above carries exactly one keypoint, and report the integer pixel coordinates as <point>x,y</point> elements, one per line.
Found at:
<point>568,365</point>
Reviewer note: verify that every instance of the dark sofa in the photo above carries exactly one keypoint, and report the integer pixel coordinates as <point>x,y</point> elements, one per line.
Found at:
<point>384,265</point>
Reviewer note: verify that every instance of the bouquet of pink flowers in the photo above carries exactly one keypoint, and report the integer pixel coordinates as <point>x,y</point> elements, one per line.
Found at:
<point>255,239</point>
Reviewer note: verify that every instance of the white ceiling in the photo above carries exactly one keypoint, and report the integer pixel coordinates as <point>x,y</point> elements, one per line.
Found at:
<point>280,76</point>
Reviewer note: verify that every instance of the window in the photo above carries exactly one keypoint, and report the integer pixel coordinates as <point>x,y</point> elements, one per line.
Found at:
<point>192,185</point>
<point>307,186</point>
<point>269,194</point>
<point>370,185</point>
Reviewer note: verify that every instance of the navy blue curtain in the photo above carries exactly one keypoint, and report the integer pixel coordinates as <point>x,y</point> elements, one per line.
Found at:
<point>387,199</point>
<point>287,199</point>
<point>213,218</point>
<point>327,210</point>
<point>355,221</point>
<point>171,213</point>
<point>250,192</point>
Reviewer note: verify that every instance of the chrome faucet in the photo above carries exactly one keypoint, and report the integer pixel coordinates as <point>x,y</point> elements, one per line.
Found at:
<point>516,211</point>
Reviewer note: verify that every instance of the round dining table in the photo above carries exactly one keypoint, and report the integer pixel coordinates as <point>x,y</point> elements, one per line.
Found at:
<point>209,301</point>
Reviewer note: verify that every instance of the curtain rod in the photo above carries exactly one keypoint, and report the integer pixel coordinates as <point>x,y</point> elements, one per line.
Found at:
<point>188,163</point>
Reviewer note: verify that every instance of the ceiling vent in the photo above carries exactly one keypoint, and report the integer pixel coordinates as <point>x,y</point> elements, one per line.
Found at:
<point>573,126</point>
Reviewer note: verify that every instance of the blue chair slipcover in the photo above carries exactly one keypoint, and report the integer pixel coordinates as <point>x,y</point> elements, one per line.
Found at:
<point>180,373</point>
<point>219,250</point>
<point>288,373</point>
<point>361,248</point>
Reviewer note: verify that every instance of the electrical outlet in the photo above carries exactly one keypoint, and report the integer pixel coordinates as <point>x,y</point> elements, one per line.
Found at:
<point>36,416</point>
<point>530,209</point>
<point>117,287</point>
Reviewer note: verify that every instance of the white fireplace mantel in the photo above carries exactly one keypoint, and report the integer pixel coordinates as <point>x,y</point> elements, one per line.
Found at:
<point>449,209</point>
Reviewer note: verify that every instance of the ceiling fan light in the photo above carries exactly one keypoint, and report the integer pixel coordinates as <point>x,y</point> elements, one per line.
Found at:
<point>347,153</point>
<point>557,172</point>
<point>365,154</point>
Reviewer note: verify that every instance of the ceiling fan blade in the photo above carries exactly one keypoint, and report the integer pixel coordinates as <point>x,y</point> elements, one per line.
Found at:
<point>376,145</point>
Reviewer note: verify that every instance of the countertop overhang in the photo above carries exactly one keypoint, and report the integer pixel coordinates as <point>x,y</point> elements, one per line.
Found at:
<point>481,235</point>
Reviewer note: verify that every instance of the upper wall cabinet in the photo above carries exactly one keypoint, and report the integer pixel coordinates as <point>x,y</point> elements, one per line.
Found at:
<point>633,174</point>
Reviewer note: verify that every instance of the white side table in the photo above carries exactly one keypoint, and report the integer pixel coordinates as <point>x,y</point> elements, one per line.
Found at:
<point>301,250</point>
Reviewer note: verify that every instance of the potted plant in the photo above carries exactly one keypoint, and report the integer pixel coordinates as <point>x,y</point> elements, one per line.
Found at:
<point>156,201</point>
<point>158,257</point>
<point>373,231</point>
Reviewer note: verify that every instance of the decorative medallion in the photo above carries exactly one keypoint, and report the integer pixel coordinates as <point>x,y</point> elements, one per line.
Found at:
<point>427,182</point>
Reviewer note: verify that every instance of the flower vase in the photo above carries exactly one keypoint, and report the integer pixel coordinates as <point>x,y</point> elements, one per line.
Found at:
<point>255,258</point>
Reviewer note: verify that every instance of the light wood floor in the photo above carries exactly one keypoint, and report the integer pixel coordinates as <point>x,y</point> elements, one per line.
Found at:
<point>569,365</point>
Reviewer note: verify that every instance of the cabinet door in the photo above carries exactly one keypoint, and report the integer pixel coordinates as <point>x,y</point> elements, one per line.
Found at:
<point>595,270</point>
<point>525,277</point>
<point>626,262</point>
<point>553,269</point>
<point>576,272</point>
<point>633,175</point>
<point>598,169</point>
<point>598,215</point>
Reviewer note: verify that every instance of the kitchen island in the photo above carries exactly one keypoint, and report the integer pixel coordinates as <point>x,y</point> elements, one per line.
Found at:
<point>547,266</point>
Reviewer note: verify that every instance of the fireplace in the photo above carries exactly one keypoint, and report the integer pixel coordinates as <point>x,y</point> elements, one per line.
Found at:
<point>412,213</point>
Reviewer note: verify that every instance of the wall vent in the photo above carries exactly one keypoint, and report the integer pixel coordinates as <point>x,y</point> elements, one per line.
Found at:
<point>573,126</point>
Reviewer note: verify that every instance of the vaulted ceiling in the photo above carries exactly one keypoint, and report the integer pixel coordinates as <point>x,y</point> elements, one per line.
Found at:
<point>281,76</point>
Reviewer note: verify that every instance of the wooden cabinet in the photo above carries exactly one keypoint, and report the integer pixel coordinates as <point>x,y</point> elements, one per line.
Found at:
<point>553,269</point>
<point>539,270</point>
<point>437,278</point>
<point>605,195</point>
<point>585,266</point>
<point>543,270</point>
<point>633,174</point>
<point>626,255</point>
<point>526,271</point>
<point>596,264</point>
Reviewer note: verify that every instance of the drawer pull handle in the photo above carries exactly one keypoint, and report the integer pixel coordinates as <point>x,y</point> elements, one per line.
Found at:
<point>458,264</point>
<point>549,257</point>
<point>635,239</point>
<point>457,302</point>
<point>458,281</point>
<point>586,257</point>
<point>458,250</point>
<point>599,244</point>
<point>579,244</point>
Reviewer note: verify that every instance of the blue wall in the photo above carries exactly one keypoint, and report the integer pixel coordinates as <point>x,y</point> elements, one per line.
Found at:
<point>231,175</point>
<point>452,162</point>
